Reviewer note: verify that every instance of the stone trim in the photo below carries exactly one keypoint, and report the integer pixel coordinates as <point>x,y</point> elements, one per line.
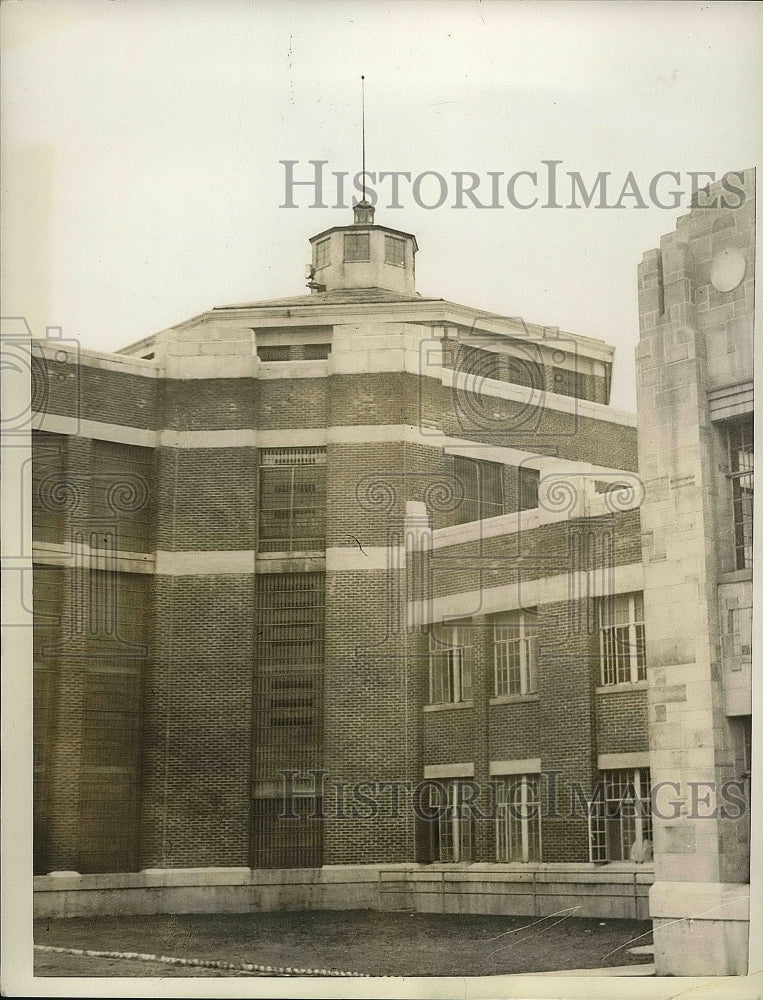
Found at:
<point>619,761</point>
<point>528,765</point>
<point>464,770</point>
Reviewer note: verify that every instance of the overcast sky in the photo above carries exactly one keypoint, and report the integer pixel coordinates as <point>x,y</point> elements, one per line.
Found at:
<point>142,142</point>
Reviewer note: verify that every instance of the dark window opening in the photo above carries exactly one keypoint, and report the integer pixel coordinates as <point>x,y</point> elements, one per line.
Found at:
<point>294,352</point>
<point>529,481</point>
<point>481,484</point>
<point>739,437</point>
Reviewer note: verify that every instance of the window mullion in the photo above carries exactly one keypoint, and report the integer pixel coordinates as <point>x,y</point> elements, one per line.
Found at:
<point>639,823</point>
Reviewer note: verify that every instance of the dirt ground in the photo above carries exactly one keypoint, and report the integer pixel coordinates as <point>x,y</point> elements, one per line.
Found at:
<point>367,942</point>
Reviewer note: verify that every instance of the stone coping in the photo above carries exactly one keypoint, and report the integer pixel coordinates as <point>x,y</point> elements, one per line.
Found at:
<point>617,873</point>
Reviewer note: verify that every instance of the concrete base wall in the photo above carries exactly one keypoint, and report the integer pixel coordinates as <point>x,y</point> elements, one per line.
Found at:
<point>614,891</point>
<point>700,928</point>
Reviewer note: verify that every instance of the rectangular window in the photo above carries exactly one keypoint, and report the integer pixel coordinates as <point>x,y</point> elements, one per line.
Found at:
<point>394,251</point>
<point>481,484</point>
<point>620,817</point>
<point>281,352</point>
<point>515,654</point>
<point>357,246</point>
<point>621,638</point>
<point>322,253</point>
<point>288,678</point>
<point>294,352</point>
<point>450,672</point>
<point>529,482</point>
<point>453,826</point>
<point>518,819</point>
<point>292,512</point>
<point>739,437</point>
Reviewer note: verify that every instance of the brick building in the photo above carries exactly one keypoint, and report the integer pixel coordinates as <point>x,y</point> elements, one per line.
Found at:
<point>340,601</point>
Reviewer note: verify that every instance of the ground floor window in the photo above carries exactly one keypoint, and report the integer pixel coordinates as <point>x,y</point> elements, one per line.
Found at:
<point>518,819</point>
<point>446,821</point>
<point>620,818</point>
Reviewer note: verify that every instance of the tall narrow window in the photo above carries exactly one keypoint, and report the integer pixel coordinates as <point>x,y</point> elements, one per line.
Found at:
<point>621,638</point>
<point>620,817</point>
<point>453,827</point>
<point>48,477</point>
<point>529,482</point>
<point>740,448</point>
<point>288,718</point>
<point>515,654</point>
<point>518,819</point>
<point>127,468</point>
<point>357,246</point>
<point>322,253</point>
<point>292,499</point>
<point>450,672</point>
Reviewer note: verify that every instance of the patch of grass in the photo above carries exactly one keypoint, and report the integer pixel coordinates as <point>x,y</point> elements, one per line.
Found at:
<point>413,944</point>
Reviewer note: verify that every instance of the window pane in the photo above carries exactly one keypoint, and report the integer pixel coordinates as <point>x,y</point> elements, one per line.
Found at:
<point>394,250</point>
<point>357,246</point>
<point>622,641</point>
<point>322,253</point>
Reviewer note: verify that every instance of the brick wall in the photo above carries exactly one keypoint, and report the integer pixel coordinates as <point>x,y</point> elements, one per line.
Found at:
<point>207,499</point>
<point>101,394</point>
<point>371,713</point>
<point>210,404</point>
<point>85,797</point>
<point>534,553</point>
<point>622,722</point>
<point>198,736</point>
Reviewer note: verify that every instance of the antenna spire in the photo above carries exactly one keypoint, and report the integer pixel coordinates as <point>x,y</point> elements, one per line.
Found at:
<point>363,212</point>
<point>363,128</point>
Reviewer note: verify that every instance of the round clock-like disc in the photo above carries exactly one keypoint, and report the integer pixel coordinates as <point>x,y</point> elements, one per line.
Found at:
<point>728,269</point>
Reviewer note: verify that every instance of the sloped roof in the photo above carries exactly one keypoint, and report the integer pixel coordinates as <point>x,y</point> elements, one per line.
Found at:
<point>338,297</point>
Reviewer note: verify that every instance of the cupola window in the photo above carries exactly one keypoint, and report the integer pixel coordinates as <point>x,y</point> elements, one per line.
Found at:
<point>357,246</point>
<point>394,251</point>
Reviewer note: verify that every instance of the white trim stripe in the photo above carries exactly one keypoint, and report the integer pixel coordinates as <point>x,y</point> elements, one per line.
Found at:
<point>527,594</point>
